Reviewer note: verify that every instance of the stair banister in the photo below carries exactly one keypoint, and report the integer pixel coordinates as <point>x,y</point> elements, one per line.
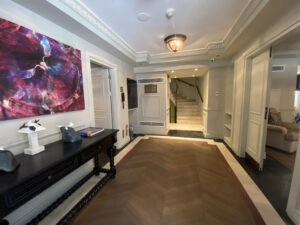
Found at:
<point>192,85</point>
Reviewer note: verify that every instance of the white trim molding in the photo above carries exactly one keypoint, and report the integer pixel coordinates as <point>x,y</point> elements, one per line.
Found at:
<point>101,28</point>
<point>247,15</point>
<point>97,26</point>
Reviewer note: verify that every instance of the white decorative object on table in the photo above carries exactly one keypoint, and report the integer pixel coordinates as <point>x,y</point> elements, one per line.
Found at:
<point>31,128</point>
<point>67,127</point>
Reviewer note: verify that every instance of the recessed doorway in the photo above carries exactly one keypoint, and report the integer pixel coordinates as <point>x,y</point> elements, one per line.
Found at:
<point>185,99</point>
<point>101,96</point>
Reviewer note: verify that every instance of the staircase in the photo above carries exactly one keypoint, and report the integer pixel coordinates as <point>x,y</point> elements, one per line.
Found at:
<point>188,112</point>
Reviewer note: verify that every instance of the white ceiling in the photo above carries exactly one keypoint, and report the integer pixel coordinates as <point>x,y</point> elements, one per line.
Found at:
<point>203,21</point>
<point>288,46</point>
<point>214,28</point>
<point>200,71</point>
<point>290,42</point>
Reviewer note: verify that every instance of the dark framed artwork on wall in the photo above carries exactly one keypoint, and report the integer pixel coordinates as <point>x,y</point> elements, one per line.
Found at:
<point>38,75</point>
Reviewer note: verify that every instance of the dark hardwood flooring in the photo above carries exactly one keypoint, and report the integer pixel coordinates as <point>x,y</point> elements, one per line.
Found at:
<point>186,133</point>
<point>274,181</point>
<point>286,159</point>
<point>165,181</point>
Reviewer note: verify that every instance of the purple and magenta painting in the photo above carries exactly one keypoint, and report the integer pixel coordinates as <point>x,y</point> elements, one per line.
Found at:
<point>38,75</point>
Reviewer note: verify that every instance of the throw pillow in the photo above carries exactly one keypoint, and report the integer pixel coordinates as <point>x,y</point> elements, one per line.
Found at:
<point>275,118</point>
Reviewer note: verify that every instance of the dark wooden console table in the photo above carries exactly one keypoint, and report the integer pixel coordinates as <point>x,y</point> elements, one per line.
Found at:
<point>40,171</point>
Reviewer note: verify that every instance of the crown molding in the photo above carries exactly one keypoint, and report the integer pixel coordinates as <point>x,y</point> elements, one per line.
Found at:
<point>194,54</point>
<point>181,65</point>
<point>142,57</point>
<point>246,17</point>
<point>101,28</point>
<point>106,33</point>
<point>286,54</point>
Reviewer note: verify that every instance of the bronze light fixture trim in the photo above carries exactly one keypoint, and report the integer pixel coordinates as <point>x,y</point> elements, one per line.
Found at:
<point>174,42</point>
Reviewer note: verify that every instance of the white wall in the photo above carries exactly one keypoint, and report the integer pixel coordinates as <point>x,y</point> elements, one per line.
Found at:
<point>153,106</point>
<point>187,91</point>
<point>228,90</point>
<point>12,140</point>
<point>284,23</point>
<point>213,87</point>
<point>283,85</point>
<point>133,119</point>
<point>204,81</point>
<point>204,88</point>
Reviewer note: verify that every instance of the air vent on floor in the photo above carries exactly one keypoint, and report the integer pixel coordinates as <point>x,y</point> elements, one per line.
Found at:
<point>278,68</point>
<point>152,80</point>
<point>155,124</point>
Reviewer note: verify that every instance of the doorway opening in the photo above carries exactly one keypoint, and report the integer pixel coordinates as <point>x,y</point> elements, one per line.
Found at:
<point>284,105</point>
<point>185,99</point>
<point>101,87</point>
<point>271,132</point>
<point>273,100</point>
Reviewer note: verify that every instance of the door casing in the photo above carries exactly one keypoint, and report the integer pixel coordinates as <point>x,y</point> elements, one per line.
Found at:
<point>258,107</point>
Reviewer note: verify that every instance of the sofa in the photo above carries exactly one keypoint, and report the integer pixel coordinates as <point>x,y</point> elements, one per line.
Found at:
<point>281,135</point>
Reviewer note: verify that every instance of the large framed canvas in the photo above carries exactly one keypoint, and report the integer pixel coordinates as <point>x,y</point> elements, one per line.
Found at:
<point>38,75</point>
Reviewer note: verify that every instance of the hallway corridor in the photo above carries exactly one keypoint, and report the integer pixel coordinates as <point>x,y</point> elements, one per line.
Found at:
<point>177,181</point>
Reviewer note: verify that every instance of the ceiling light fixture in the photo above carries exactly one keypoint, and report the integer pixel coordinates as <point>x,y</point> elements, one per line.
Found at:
<point>196,69</point>
<point>173,71</point>
<point>143,16</point>
<point>174,42</point>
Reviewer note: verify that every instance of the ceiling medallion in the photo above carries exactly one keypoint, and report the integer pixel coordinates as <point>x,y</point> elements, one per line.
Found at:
<point>174,42</point>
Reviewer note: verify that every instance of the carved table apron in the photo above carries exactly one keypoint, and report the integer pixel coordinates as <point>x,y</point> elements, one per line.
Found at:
<point>40,171</point>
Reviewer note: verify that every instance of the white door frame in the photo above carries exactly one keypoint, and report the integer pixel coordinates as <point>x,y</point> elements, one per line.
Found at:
<point>261,113</point>
<point>247,56</point>
<point>114,85</point>
<point>104,114</point>
<point>246,99</point>
<point>294,194</point>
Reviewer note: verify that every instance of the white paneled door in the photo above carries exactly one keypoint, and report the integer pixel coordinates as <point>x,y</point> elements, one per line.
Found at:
<point>258,109</point>
<point>101,97</point>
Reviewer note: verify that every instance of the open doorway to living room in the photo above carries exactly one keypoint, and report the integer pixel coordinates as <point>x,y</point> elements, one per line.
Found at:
<point>283,120</point>
<point>279,162</point>
<point>186,99</point>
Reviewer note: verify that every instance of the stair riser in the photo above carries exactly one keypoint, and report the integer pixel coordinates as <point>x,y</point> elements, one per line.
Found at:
<point>189,123</point>
<point>184,102</point>
<point>188,110</point>
<point>190,118</point>
<point>186,105</point>
<point>196,113</point>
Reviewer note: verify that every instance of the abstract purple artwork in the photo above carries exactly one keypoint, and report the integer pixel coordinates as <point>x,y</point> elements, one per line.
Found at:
<point>38,75</point>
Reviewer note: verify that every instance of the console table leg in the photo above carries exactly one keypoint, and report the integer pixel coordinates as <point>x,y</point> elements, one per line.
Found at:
<point>97,167</point>
<point>4,222</point>
<point>111,155</point>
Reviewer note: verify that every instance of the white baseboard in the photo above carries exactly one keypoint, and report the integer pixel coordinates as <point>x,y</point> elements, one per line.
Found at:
<point>294,215</point>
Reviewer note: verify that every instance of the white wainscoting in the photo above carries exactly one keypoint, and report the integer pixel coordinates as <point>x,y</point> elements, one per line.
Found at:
<point>152,106</point>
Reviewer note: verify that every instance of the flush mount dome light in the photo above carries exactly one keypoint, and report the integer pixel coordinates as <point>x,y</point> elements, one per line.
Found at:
<point>174,42</point>
<point>143,16</point>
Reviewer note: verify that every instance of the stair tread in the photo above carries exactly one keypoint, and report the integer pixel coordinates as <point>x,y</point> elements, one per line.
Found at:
<point>188,111</point>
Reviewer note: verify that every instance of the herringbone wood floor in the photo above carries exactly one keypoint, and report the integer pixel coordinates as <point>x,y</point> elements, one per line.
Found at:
<point>170,182</point>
